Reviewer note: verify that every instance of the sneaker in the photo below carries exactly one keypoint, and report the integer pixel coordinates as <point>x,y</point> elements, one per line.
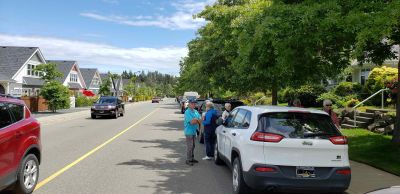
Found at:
<point>194,161</point>
<point>206,158</point>
<point>189,163</point>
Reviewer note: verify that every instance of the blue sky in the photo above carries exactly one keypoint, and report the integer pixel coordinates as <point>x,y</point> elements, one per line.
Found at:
<point>108,34</point>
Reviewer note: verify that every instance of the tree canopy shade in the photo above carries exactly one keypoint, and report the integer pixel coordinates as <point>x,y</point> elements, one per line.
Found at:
<point>259,45</point>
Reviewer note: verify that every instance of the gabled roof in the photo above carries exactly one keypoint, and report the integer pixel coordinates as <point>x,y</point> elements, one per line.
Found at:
<point>64,67</point>
<point>88,74</point>
<point>12,58</point>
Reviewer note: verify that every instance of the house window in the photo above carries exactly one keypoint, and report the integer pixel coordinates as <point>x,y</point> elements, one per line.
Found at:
<point>73,77</point>
<point>95,81</point>
<point>33,73</point>
<point>362,80</point>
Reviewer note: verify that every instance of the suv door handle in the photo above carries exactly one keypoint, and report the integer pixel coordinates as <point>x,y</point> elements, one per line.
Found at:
<point>234,134</point>
<point>223,131</point>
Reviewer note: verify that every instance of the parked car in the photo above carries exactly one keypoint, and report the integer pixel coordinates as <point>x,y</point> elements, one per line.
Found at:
<point>108,106</point>
<point>20,146</point>
<point>283,148</point>
<point>155,100</point>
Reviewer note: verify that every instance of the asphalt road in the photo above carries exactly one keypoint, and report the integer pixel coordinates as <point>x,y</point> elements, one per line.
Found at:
<point>142,152</point>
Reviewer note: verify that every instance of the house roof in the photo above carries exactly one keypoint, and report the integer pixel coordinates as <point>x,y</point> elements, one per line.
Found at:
<point>64,67</point>
<point>88,74</point>
<point>103,76</point>
<point>74,85</point>
<point>12,58</point>
<point>31,81</point>
<point>4,77</point>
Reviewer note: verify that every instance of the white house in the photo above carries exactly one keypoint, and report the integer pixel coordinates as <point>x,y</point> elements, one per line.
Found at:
<point>92,79</point>
<point>72,77</point>
<point>16,70</point>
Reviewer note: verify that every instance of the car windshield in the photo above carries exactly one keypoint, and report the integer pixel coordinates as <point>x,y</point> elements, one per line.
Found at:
<point>107,101</point>
<point>298,125</point>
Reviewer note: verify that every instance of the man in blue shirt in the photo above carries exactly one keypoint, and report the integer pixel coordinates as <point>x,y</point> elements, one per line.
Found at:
<point>191,123</point>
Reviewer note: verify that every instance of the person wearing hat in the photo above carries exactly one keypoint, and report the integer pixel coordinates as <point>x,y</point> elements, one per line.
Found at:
<point>191,124</point>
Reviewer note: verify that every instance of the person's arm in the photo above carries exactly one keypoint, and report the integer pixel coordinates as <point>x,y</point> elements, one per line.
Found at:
<point>207,121</point>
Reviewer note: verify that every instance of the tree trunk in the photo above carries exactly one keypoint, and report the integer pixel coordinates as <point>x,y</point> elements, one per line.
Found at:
<point>274,94</point>
<point>396,132</point>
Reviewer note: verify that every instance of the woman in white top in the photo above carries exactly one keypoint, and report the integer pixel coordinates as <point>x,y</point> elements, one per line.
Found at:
<point>225,114</point>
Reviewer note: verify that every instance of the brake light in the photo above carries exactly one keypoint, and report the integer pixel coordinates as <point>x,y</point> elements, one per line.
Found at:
<point>338,140</point>
<point>266,137</point>
<point>265,169</point>
<point>343,172</point>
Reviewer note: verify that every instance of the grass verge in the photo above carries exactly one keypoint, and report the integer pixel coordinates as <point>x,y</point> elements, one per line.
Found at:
<point>373,149</point>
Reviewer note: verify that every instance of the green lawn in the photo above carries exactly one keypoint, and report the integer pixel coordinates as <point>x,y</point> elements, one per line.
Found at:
<point>373,149</point>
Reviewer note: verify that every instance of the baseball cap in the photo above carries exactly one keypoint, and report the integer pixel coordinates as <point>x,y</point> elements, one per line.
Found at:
<point>192,100</point>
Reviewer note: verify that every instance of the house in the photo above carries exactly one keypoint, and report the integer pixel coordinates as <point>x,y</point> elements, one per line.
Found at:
<point>71,75</point>
<point>360,73</point>
<point>17,77</point>
<point>92,79</point>
<point>116,86</point>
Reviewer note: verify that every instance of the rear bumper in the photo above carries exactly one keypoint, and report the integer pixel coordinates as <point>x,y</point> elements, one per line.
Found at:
<point>285,180</point>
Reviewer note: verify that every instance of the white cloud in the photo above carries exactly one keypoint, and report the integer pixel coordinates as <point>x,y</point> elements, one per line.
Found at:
<point>107,57</point>
<point>181,19</point>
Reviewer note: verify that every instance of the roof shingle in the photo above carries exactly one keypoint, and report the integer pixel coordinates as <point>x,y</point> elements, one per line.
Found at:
<point>13,58</point>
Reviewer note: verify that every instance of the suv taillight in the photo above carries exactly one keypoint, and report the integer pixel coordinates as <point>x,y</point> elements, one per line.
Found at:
<point>266,137</point>
<point>338,140</point>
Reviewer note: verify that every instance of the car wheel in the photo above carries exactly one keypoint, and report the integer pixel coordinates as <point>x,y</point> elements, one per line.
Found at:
<point>28,175</point>
<point>217,158</point>
<point>93,116</point>
<point>122,113</point>
<point>238,184</point>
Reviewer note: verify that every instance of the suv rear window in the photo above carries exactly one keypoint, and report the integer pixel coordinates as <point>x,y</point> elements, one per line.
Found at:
<point>5,117</point>
<point>17,111</point>
<point>298,125</point>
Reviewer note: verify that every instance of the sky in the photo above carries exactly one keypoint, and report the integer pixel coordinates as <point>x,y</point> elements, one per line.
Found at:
<point>111,35</point>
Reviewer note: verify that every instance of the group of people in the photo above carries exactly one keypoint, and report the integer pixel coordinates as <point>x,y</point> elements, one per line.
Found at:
<point>192,122</point>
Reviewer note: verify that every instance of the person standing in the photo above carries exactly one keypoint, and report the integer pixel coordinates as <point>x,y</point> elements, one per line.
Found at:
<point>328,108</point>
<point>210,126</point>
<point>225,114</point>
<point>191,124</point>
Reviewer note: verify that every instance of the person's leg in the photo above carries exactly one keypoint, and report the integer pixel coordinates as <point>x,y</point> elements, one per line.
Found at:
<point>212,144</point>
<point>189,149</point>
<point>207,142</point>
<point>193,146</point>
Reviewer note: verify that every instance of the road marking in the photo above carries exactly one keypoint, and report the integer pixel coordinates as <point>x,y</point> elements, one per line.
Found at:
<point>58,173</point>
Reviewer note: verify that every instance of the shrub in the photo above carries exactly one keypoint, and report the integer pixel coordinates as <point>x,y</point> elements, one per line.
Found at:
<point>56,95</point>
<point>308,94</point>
<point>347,88</point>
<point>378,79</point>
<point>352,102</point>
<point>84,101</point>
<point>337,100</point>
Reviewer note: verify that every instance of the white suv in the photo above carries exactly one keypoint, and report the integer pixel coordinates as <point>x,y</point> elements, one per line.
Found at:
<point>283,148</point>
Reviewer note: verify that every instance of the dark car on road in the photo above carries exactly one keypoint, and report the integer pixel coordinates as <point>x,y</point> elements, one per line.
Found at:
<point>155,100</point>
<point>20,146</point>
<point>108,106</point>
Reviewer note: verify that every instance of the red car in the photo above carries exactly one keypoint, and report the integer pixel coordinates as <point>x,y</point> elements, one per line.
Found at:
<point>20,148</point>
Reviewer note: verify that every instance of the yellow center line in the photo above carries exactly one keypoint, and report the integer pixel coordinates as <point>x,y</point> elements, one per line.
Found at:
<point>58,173</point>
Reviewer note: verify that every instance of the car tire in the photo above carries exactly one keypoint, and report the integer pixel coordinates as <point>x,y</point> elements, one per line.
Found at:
<point>122,113</point>
<point>238,184</point>
<point>93,116</point>
<point>217,158</point>
<point>30,165</point>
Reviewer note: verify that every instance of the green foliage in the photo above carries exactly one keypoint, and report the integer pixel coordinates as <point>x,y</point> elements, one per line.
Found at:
<point>336,100</point>
<point>352,102</point>
<point>307,94</point>
<point>378,79</point>
<point>56,94</point>
<point>85,101</point>
<point>48,72</point>
<point>347,88</point>
<point>105,87</point>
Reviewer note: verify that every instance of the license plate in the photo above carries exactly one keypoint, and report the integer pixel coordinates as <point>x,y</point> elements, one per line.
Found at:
<point>305,172</point>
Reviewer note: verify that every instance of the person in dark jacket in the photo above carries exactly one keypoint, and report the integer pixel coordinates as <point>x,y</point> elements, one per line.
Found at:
<point>210,126</point>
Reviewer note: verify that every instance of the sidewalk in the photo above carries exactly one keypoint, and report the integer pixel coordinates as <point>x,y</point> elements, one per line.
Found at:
<point>59,112</point>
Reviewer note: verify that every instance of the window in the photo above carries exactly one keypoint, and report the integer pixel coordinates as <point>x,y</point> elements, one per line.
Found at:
<point>33,73</point>
<point>238,120</point>
<point>247,119</point>
<point>5,117</point>
<point>17,111</point>
<point>73,77</point>
<point>298,125</point>
<point>95,81</point>
<point>229,120</point>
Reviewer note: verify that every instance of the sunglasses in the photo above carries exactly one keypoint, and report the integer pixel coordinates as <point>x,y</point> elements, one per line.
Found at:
<point>328,105</point>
